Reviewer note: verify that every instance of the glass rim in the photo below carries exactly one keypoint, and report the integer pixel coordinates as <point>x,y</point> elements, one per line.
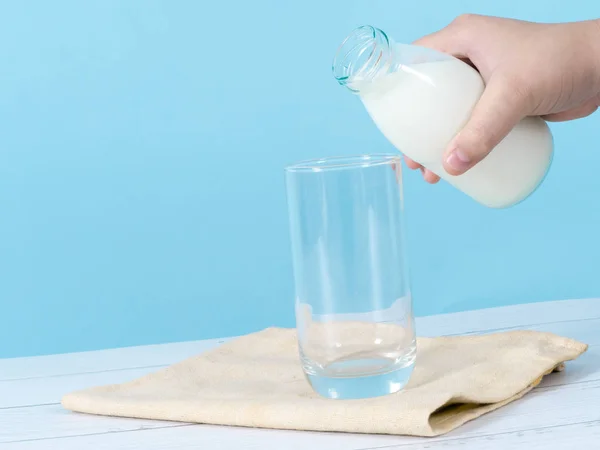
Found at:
<point>343,162</point>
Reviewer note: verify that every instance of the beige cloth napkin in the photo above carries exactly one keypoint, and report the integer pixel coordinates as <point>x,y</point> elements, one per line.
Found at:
<point>257,381</point>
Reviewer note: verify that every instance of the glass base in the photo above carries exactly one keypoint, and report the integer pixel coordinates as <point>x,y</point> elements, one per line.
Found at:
<point>352,388</point>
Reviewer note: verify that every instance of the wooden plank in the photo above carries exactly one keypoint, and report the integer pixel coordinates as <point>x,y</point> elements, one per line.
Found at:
<point>53,421</point>
<point>508,317</point>
<point>196,437</point>
<point>39,391</point>
<point>43,391</point>
<point>577,436</point>
<point>102,360</point>
<point>517,316</point>
<point>546,406</point>
<point>52,424</point>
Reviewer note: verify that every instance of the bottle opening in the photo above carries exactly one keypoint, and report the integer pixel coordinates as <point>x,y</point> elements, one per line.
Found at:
<point>360,56</point>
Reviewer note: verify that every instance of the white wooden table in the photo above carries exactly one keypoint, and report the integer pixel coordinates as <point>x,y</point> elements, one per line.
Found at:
<point>564,412</point>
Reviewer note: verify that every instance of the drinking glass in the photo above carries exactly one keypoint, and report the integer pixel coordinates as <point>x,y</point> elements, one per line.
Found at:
<point>354,314</point>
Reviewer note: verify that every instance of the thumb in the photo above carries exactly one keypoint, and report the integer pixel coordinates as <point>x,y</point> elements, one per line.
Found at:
<point>500,108</point>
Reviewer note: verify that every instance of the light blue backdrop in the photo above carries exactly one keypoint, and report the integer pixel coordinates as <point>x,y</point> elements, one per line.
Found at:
<point>141,154</point>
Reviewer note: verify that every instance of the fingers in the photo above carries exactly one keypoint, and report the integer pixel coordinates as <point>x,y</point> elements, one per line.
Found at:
<point>428,175</point>
<point>411,164</point>
<point>503,104</point>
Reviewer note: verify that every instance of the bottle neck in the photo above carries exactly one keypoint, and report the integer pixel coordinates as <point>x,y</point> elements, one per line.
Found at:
<point>364,55</point>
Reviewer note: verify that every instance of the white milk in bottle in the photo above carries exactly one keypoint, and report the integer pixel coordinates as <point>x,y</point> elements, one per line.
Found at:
<point>420,99</point>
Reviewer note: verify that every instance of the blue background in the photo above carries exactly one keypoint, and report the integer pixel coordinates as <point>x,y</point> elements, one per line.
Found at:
<point>141,186</point>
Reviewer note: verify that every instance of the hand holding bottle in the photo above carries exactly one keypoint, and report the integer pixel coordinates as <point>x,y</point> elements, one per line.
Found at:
<point>530,69</point>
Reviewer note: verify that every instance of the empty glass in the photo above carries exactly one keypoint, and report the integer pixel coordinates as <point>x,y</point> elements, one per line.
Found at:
<point>353,303</point>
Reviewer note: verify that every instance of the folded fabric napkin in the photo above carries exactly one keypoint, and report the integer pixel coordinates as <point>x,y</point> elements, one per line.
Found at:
<point>257,381</point>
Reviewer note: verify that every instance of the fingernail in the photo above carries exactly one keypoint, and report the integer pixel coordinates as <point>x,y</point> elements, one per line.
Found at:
<point>458,160</point>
